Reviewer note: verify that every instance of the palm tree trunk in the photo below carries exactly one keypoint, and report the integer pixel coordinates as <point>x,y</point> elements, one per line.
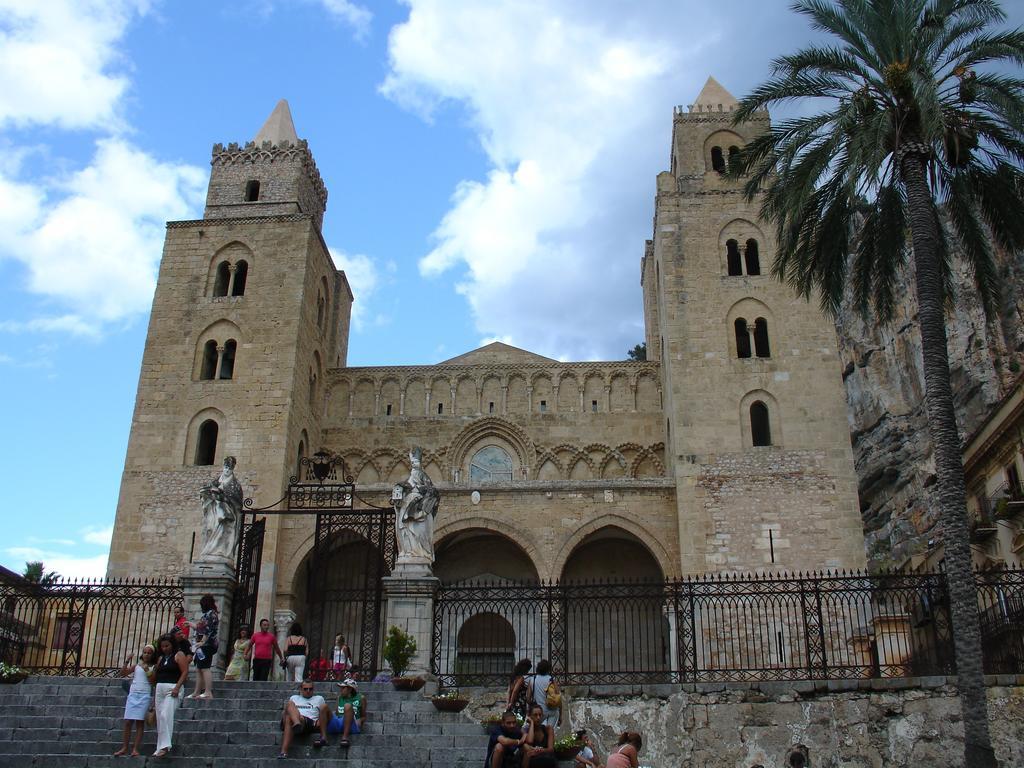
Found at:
<point>949,469</point>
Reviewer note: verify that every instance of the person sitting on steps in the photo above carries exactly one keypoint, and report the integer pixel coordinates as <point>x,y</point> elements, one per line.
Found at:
<point>351,715</point>
<point>304,713</point>
<point>505,749</point>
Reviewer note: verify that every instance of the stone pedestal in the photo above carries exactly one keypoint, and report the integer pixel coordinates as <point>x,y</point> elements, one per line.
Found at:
<point>410,607</point>
<point>216,578</point>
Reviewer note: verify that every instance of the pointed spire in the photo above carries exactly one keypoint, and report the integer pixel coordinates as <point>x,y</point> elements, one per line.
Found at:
<point>714,98</point>
<point>279,127</point>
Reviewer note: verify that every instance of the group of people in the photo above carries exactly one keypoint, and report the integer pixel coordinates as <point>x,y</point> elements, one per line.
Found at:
<point>160,673</point>
<point>308,712</point>
<point>535,700</point>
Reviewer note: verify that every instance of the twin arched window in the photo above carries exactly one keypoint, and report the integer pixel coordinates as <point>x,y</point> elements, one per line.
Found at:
<point>736,261</point>
<point>231,278</point>
<point>718,158</point>
<point>218,362</point>
<point>744,332</point>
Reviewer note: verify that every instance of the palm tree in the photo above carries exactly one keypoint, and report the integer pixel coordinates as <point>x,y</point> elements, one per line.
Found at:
<point>36,574</point>
<point>913,140</point>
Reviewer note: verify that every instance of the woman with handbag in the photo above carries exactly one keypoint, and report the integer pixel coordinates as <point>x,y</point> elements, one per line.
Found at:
<point>137,705</point>
<point>205,647</point>
<point>170,675</point>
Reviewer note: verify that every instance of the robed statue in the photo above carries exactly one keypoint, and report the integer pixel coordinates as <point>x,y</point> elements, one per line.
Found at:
<point>222,514</point>
<point>415,502</point>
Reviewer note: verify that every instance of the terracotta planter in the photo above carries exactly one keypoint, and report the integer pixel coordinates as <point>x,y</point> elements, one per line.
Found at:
<point>408,683</point>
<point>13,679</point>
<point>568,754</point>
<point>450,705</point>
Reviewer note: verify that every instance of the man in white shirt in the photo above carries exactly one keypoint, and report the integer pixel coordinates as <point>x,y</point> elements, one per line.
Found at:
<point>304,713</point>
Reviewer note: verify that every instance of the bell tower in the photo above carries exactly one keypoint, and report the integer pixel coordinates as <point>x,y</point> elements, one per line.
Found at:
<point>249,313</point>
<point>758,437</point>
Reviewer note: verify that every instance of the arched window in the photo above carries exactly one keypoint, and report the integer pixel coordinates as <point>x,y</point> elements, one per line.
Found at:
<point>760,428</point>
<point>312,387</point>
<point>734,155</point>
<point>717,160</point>
<point>206,443</point>
<point>209,367</point>
<point>752,257</point>
<point>732,258</point>
<point>490,464</point>
<point>220,283</point>
<point>761,348</point>
<point>742,338</point>
<point>241,275</point>
<point>252,191</point>
<point>227,360</point>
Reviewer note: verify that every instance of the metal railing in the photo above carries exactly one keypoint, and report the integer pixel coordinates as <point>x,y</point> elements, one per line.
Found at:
<point>719,629</point>
<point>85,628</point>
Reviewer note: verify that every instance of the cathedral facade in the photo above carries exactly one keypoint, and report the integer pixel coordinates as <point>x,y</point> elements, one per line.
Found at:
<point>727,450</point>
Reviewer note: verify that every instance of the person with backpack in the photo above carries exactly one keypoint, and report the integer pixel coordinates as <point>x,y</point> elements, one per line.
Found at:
<point>545,693</point>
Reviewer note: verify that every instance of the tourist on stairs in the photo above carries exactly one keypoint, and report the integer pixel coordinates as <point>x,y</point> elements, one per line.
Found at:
<point>626,755</point>
<point>170,675</point>
<point>351,715</point>
<point>518,689</point>
<point>205,647</point>
<point>239,664</point>
<point>539,749</point>
<point>295,653</point>
<point>262,651</point>
<point>304,713</point>
<point>505,748</point>
<point>544,691</point>
<point>342,657</point>
<point>140,696</point>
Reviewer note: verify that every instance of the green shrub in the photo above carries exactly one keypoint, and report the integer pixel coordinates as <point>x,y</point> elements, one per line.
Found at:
<point>399,648</point>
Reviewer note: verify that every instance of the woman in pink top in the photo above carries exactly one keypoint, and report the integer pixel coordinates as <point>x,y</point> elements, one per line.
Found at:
<point>262,650</point>
<point>626,755</point>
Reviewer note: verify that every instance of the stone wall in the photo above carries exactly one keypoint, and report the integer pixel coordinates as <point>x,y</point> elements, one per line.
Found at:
<point>844,724</point>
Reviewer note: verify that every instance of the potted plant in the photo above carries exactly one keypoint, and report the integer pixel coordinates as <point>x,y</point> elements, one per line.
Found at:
<point>399,648</point>
<point>567,747</point>
<point>450,701</point>
<point>10,674</point>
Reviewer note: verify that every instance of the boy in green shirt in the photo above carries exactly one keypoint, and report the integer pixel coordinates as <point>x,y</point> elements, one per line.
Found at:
<point>351,712</point>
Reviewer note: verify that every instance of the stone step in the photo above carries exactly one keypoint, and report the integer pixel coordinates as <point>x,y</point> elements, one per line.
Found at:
<point>266,704</point>
<point>74,760</point>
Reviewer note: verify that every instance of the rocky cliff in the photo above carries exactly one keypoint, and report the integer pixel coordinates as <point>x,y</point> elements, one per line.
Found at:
<point>885,391</point>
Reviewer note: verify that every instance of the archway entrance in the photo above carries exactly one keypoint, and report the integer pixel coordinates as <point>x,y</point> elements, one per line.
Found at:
<point>612,608</point>
<point>478,553</point>
<point>486,646</point>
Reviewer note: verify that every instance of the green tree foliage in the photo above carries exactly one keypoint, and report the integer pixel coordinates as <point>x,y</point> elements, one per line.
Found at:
<point>399,648</point>
<point>639,352</point>
<point>913,121</point>
<point>35,573</point>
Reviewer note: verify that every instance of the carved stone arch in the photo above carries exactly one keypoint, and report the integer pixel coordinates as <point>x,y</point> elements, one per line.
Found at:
<point>613,459</point>
<point>630,525</point>
<point>231,252</point>
<point>521,537</point>
<point>568,392</point>
<point>644,457</point>
<point>491,388</point>
<point>219,332</point>
<point>364,391</point>
<point>337,399</point>
<point>192,430</point>
<point>594,384</point>
<point>511,436</point>
<point>621,392</point>
<point>390,394</point>
<point>440,389</point>
<point>414,396</point>
<point>648,392</point>
<point>722,139</point>
<point>397,470</point>
<point>362,477</point>
<point>546,459</point>
<point>774,417</point>
<point>749,309</point>
<point>597,453</point>
<point>582,468</point>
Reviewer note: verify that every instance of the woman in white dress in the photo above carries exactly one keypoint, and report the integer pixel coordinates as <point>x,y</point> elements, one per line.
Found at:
<point>139,699</point>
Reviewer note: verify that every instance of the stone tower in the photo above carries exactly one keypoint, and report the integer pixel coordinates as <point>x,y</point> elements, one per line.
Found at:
<point>756,425</point>
<point>249,313</point>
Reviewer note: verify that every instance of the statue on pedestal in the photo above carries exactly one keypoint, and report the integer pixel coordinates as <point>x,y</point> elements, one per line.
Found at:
<point>222,515</point>
<point>415,502</point>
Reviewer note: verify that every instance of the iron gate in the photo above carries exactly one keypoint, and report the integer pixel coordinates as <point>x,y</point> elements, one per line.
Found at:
<point>247,577</point>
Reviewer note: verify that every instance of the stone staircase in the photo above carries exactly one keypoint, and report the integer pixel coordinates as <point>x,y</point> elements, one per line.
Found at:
<point>64,722</point>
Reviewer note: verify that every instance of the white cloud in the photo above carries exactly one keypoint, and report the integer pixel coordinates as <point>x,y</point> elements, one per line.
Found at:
<point>68,566</point>
<point>98,536</point>
<point>92,241</point>
<point>356,16</point>
<point>57,59</point>
<point>572,103</point>
<point>364,277</point>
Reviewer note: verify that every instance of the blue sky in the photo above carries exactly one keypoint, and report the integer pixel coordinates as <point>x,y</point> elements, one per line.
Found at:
<point>491,172</point>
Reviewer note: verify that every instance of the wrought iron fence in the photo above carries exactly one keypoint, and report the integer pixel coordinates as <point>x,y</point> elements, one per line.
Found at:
<point>720,629</point>
<point>83,628</point>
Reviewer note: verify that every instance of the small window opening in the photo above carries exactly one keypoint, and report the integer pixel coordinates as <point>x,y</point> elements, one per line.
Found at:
<point>593,406</point>
<point>771,544</point>
<point>388,412</point>
<point>490,407</point>
<point>206,444</point>
<point>220,282</point>
<point>717,160</point>
<point>252,191</point>
<point>742,338</point>
<point>760,429</point>
<point>312,388</point>
<point>753,258</point>
<point>227,360</point>
<point>732,257</point>
<point>440,409</point>
<point>241,275</point>
<point>209,368</point>
<point>734,156</point>
<point>543,406</point>
<point>320,311</point>
<point>761,338</point>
